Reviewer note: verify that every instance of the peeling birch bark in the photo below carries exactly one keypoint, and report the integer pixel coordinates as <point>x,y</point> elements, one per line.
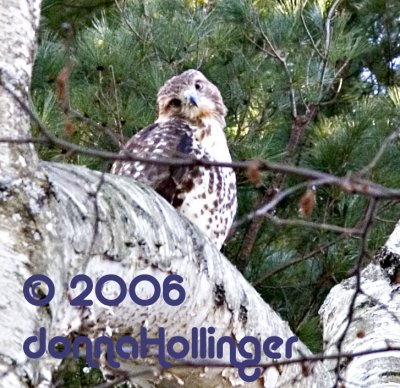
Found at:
<point>375,324</point>
<point>19,193</point>
<point>138,232</point>
<point>86,222</point>
<point>18,25</point>
<point>64,220</point>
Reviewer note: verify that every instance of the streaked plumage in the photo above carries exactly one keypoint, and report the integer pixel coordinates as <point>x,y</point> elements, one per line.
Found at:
<point>190,125</point>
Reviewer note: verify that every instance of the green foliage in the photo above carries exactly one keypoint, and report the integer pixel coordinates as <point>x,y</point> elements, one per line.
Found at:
<point>77,375</point>
<point>265,56</point>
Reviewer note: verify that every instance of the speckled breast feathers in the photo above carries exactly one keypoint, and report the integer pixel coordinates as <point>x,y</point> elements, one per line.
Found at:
<point>190,126</point>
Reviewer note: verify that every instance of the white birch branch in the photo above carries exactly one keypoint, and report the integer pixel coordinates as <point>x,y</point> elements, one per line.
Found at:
<point>18,25</point>
<point>19,194</point>
<point>138,232</point>
<point>375,322</point>
<point>64,220</point>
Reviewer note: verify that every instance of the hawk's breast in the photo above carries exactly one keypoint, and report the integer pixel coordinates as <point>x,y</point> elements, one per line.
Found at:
<point>206,195</point>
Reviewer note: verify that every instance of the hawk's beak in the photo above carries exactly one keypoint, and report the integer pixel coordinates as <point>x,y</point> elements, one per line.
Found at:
<point>192,98</point>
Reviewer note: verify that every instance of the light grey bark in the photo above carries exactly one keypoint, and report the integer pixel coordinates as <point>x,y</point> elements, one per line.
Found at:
<point>138,232</point>
<point>18,192</point>
<point>18,25</point>
<point>375,322</point>
<point>85,222</point>
<point>63,220</point>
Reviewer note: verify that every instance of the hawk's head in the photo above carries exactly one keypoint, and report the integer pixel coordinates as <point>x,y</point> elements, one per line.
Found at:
<point>192,97</point>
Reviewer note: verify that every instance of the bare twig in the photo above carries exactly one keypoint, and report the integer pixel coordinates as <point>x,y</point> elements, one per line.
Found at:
<point>275,53</point>
<point>363,252</point>
<point>299,126</point>
<point>284,266</point>
<point>320,249</point>
<point>273,364</point>
<point>393,136</point>
<point>328,39</point>
<point>121,9</point>
<point>350,183</point>
<point>317,225</point>
<point>308,31</point>
<point>269,206</point>
<point>108,131</point>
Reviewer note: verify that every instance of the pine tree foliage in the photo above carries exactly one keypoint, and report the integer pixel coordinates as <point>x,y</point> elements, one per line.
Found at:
<point>273,61</point>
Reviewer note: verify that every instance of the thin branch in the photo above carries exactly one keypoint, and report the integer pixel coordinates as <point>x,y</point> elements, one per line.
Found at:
<point>97,219</point>
<point>284,266</point>
<point>308,31</point>
<point>327,43</point>
<point>320,249</point>
<point>122,11</point>
<point>393,136</point>
<point>350,183</point>
<point>89,7</point>
<point>328,27</point>
<point>305,361</point>
<point>26,140</point>
<point>108,131</point>
<point>310,224</point>
<point>282,60</point>
<point>273,364</point>
<point>363,252</point>
<point>115,91</point>
<point>269,206</point>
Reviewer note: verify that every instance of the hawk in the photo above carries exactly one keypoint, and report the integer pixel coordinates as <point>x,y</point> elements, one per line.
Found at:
<point>190,124</point>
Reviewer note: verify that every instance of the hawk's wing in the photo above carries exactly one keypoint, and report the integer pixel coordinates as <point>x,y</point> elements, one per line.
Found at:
<point>168,139</point>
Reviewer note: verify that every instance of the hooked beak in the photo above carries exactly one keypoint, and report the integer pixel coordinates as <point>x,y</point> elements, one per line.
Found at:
<point>192,98</point>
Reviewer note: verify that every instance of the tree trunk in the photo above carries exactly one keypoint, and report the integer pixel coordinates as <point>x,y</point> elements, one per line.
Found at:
<point>375,321</point>
<point>19,192</point>
<point>103,224</point>
<point>62,220</point>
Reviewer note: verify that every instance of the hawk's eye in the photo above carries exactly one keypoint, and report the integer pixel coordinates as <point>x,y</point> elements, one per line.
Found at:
<point>198,85</point>
<point>175,102</point>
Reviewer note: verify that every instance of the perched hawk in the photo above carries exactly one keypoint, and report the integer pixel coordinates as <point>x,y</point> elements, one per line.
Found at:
<point>190,125</point>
